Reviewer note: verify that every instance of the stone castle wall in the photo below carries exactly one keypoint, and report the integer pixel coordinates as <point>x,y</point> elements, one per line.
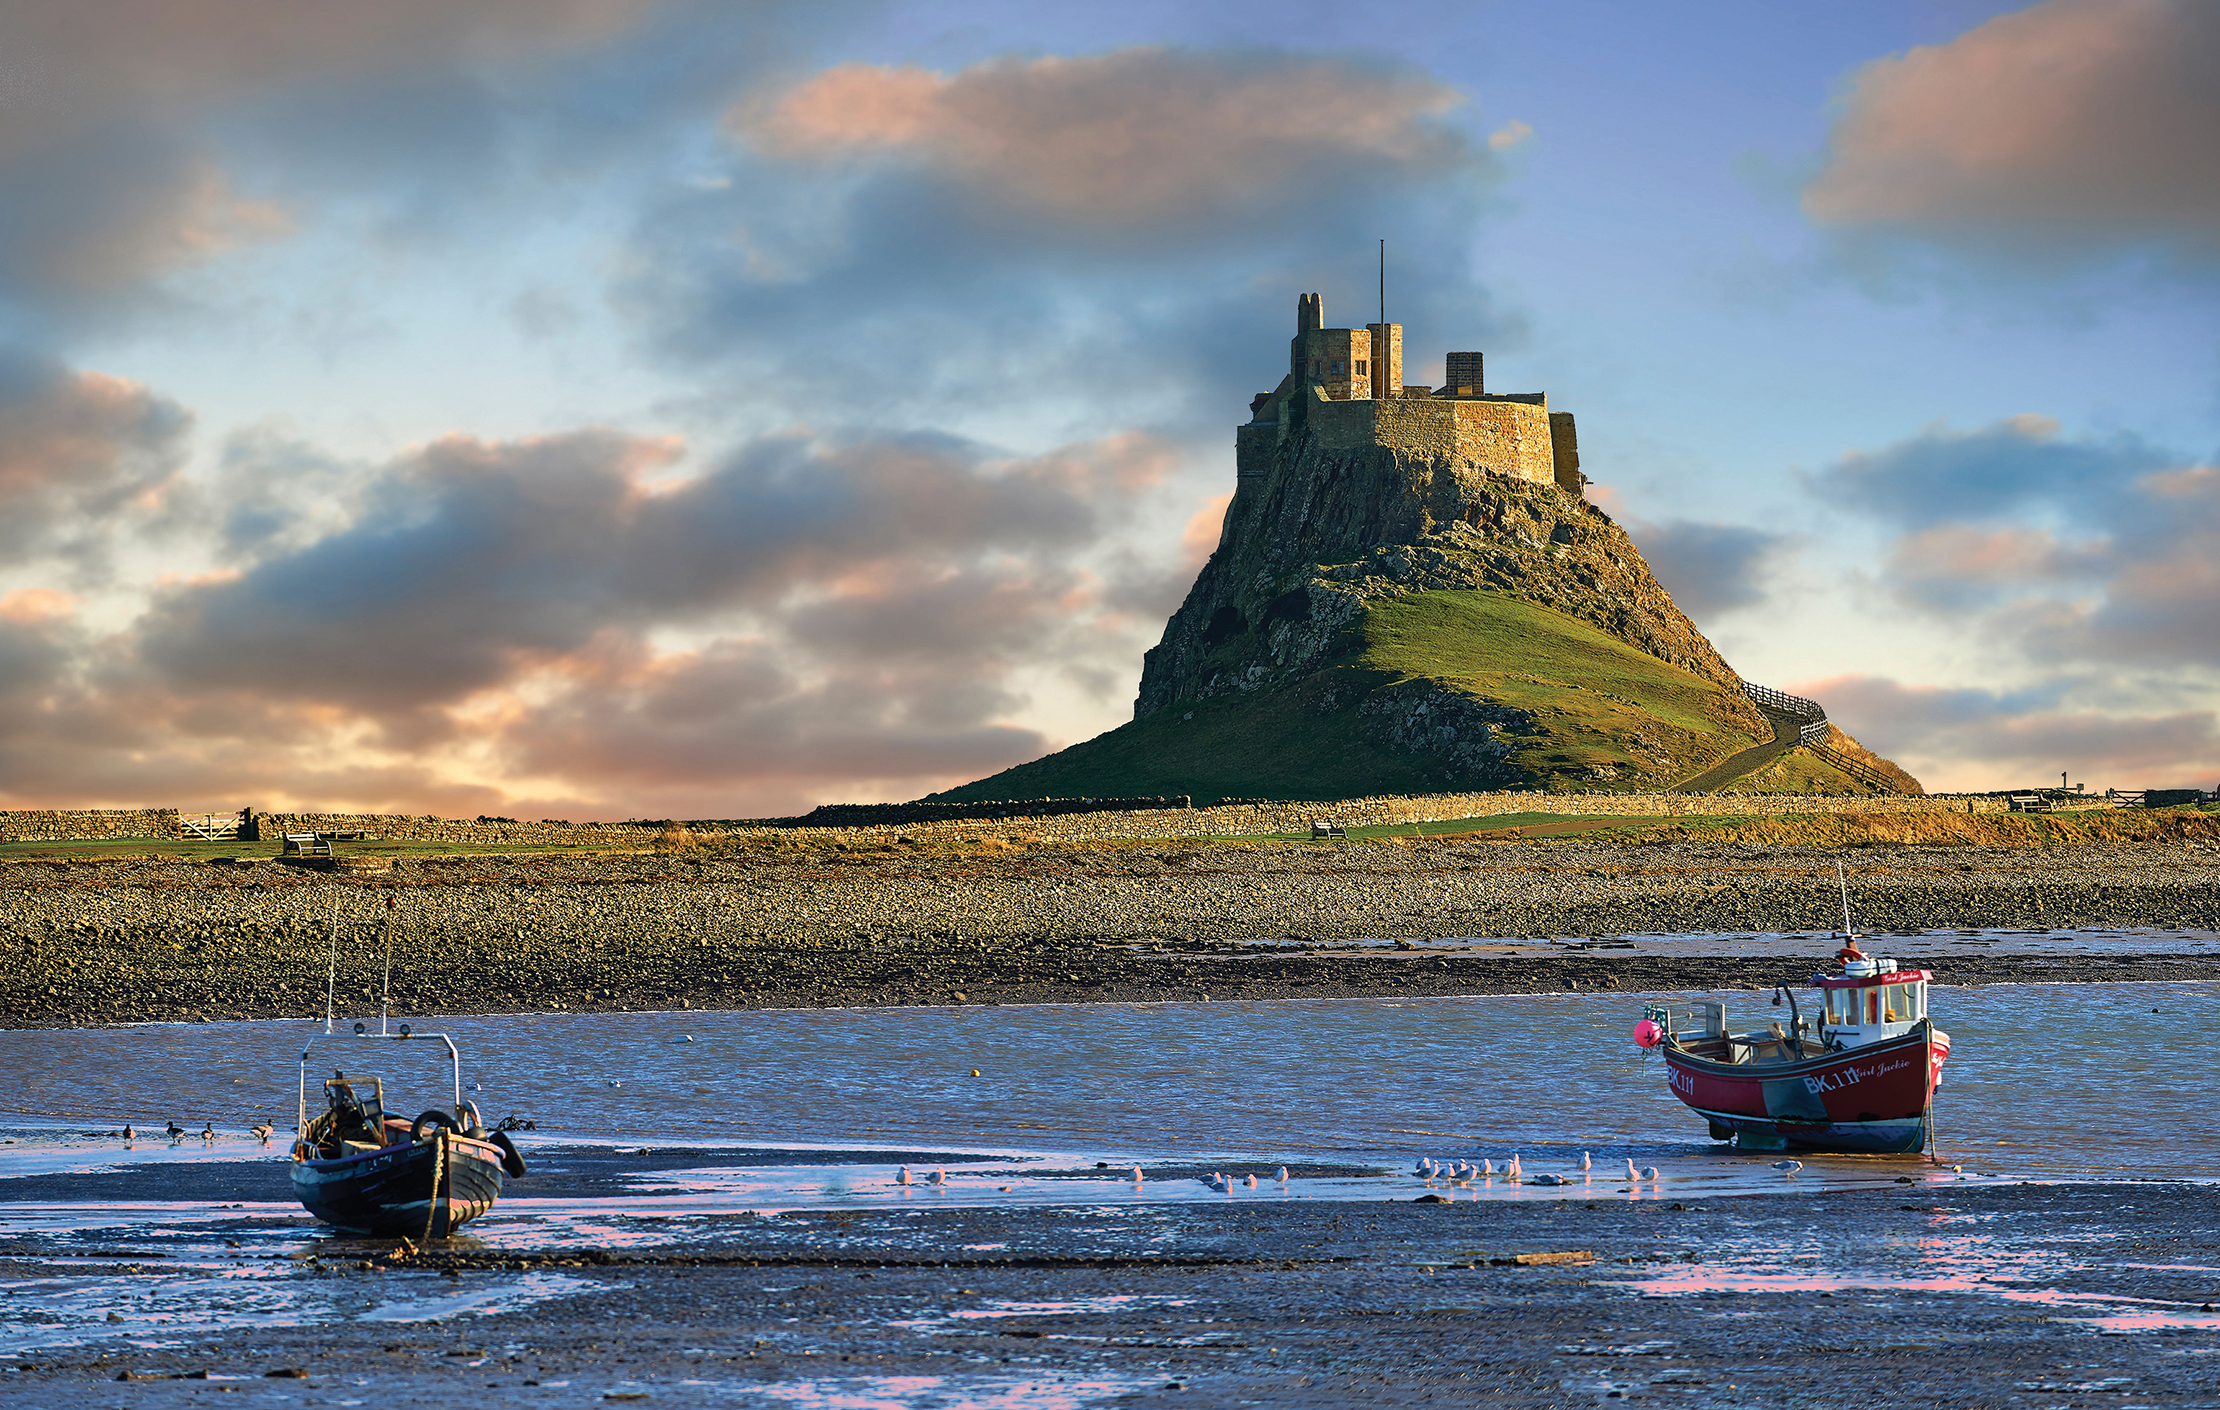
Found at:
<point>1505,437</point>
<point>86,824</point>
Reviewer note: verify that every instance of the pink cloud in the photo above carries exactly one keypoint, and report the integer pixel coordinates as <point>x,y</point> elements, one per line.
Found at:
<point>1980,741</point>
<point>1127,138</point>
<point>1204,529</point>
<point>2089,117</point>
<point>75,449</point>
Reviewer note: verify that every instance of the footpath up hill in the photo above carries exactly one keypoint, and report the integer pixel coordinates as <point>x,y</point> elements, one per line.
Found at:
<point>1384,615</point>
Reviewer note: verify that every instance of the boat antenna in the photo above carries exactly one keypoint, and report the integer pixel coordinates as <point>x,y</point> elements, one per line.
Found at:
<point>385,999</point>
<point>1840,880</point>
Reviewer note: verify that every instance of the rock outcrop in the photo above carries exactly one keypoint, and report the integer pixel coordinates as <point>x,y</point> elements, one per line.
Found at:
<point>1410,594</point>
<point>1320,535</point>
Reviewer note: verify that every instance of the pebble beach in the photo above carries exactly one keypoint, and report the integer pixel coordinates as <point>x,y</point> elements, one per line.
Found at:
<point>138,940</point>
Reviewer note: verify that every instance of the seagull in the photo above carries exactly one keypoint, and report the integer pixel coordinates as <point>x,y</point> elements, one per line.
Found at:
<point>1487,1169</point>
<point>1252,1182</point>
<point>1788,1167</point>
<point>176,1132</point>
<point>261,1132</point>
<point>1584,1164</point>
<point>1513,1169</point>
<point>1136,1174</point>
<point>903,1176</point>
<point>208,1131</point>
<point>1283,1175</point>
<point>1650,1174</point>
<point>940,1177</point>
<point>128,1133</point>
<point>616,1084</point>
<point>1631,1173</point>
<point>1425,1166</point>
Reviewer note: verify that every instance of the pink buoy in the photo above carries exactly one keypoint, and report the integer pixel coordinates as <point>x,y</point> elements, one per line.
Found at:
<point>1648,1034</point>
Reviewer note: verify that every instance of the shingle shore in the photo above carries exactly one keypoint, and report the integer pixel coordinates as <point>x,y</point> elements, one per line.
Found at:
<point>137,940</point>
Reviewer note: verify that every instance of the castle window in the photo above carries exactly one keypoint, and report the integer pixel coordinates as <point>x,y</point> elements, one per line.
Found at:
<point>1360,367</point>
<point>1337,369</point>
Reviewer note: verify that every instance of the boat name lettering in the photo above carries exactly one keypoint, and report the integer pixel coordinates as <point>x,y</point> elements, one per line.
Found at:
<point>1843,1077</point>
<point>1680,1081</point>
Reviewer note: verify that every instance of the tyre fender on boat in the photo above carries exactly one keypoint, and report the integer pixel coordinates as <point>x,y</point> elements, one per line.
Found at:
<point>434,1117</point>
<point>512,1163</point>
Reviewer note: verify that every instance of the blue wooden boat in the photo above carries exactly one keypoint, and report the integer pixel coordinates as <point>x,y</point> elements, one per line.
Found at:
<point>358,1167</point>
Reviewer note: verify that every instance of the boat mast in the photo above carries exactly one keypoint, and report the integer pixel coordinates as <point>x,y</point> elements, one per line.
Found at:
<point>385,999</point>
<point>331,975</point>
<point>1840,880</point>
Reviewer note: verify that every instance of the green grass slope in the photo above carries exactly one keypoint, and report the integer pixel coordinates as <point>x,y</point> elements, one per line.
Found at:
<point>1603,715</point>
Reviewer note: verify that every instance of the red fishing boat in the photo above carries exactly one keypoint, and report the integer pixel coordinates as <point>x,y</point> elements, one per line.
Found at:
<point>1859,1075</point>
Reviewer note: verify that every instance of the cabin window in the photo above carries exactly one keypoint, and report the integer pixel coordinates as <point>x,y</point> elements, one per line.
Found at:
<point>1873,1005</point>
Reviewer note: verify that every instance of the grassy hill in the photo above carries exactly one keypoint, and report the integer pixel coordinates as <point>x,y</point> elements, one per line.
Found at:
<point>1571,708</point>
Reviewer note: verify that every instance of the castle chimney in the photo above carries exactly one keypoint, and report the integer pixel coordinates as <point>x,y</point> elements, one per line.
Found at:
<point>1465,375</point>
<point>1310,314</point>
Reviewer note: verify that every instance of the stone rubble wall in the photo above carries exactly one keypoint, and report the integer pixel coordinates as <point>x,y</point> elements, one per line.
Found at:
<point>86,824</point>
<point>392,826</point>
<point>1225,820</point>
<point>1261,819</point>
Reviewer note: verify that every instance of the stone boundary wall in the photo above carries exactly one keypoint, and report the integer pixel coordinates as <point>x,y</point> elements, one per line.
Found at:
<point>1224,820</point>
<point>414,828</point>
<point>1254,819</point>
<point>86,824</point>
<point>899,814</point>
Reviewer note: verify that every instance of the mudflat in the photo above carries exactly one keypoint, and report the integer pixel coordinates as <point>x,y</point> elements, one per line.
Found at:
<point>1940,1291</point>
<point>119,940</point>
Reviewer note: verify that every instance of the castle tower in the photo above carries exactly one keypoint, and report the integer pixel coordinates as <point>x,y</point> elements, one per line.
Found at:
<point>1344,390</point>
<point>1387,358</point>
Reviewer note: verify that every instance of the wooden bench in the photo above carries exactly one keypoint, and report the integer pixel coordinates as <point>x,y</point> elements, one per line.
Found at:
<point>306,844</point>
<point>1328,832</point>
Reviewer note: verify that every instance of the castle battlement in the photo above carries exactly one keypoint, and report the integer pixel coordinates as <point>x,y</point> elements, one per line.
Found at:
<point>1344,388</point>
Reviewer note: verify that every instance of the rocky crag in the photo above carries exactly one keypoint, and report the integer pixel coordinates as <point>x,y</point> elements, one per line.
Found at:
<point>1410,593</point>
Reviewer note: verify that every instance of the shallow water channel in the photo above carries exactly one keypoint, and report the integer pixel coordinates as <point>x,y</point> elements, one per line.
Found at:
<point>658,1128</point>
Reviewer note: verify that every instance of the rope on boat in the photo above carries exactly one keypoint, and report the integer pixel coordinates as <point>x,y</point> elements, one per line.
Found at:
<point>432,1209</point>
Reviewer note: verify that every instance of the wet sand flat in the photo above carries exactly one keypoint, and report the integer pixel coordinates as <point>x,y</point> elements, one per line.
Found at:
<point>1935,1292</point>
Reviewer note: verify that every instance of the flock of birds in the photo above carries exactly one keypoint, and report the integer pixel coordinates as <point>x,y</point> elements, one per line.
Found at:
<point>1461,1174</point>
<point>260,1131</point>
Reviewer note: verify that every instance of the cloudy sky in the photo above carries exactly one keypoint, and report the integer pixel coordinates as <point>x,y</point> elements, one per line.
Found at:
<point>607,408</point>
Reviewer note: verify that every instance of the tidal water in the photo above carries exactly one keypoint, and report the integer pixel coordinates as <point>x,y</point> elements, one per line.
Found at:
<point>691,1118</point>
<point>2043,1080</point>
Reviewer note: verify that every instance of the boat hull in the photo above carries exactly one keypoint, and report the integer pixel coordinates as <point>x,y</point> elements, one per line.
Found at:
<point>1871,1100</point>
<point>424,1190</point>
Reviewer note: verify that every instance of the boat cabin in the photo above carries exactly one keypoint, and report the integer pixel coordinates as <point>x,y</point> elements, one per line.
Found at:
<point>1870,1000</point>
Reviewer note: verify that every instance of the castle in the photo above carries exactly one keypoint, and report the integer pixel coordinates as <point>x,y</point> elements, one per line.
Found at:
<point>1344,388</point>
